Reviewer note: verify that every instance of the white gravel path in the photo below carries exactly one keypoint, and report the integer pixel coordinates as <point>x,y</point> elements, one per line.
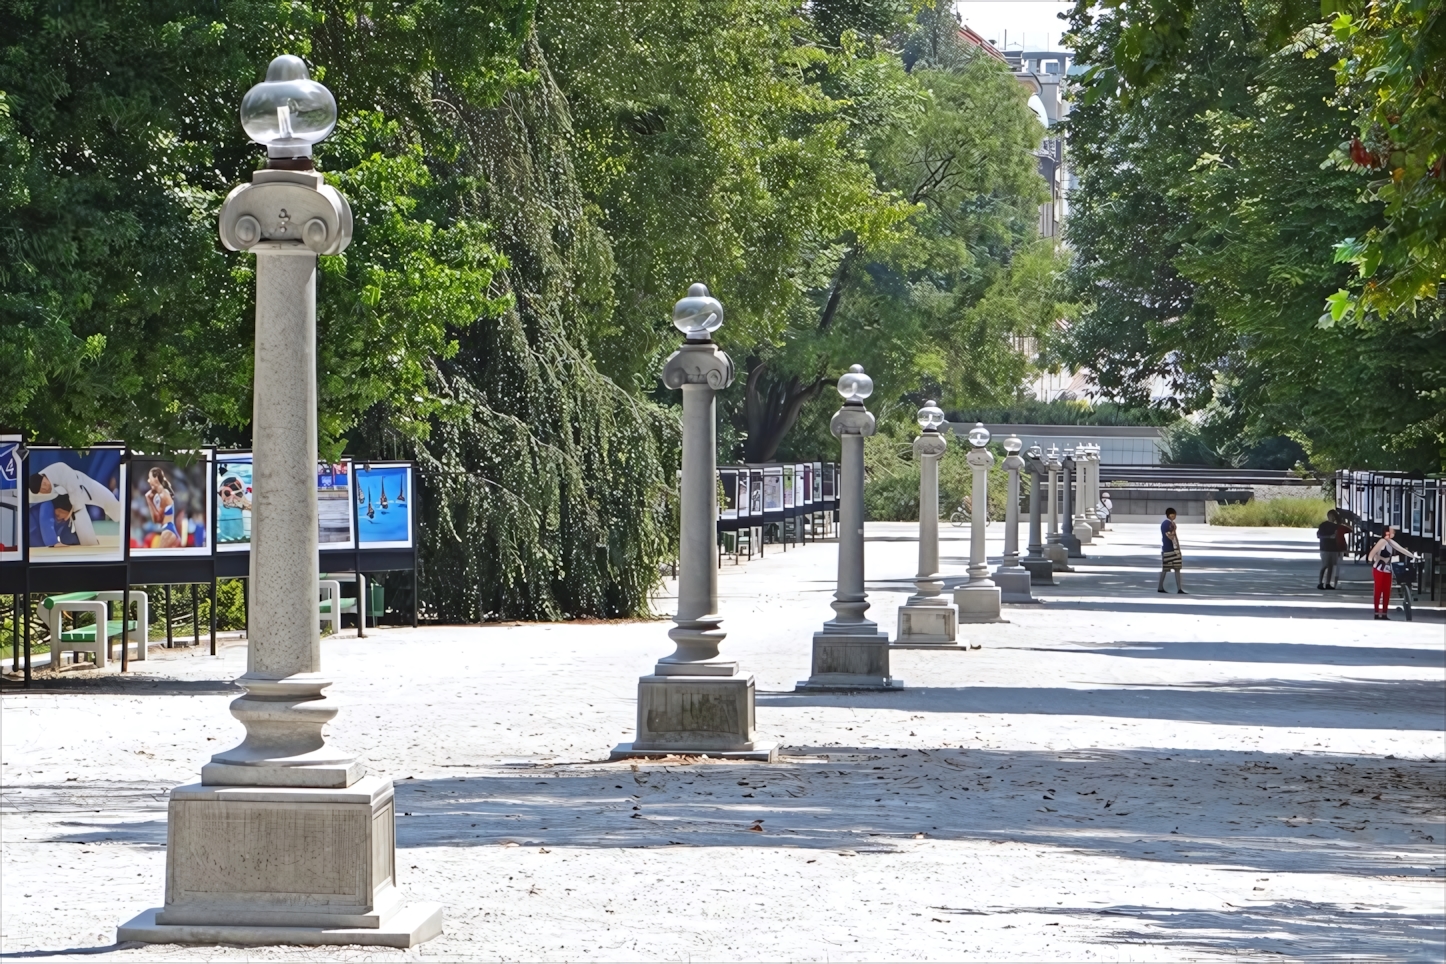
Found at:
<point>1252,770</point>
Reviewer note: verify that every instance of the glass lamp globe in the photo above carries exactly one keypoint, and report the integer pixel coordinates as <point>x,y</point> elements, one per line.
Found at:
<point>1035,451</point>
<point>931,417</point>
<point>1012,445</point>
<point>288,112</point>
<point>855,386</point>
<point>698,315</point>
<point>979,435</point>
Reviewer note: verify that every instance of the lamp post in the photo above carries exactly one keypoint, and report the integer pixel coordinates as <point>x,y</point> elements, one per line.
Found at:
<point>286,839</point>
<point>850,652</point>
<point>1040,569</point>
<point>1067,534</point>
<point>1092,476</point>
<point>978,600</point>
<point>1055,549</point>
<point>1012,578</point>
<point>927,619</point>
<point>695,702</point>
<point>1079,526</point>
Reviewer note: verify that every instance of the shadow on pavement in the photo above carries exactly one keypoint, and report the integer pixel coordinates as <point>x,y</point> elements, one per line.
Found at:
<point>1284,653</point>
<point>1332,704</point>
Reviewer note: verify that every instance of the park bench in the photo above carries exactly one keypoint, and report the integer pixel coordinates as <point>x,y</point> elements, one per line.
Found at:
<point>333,604</point>
<point>83,639</point>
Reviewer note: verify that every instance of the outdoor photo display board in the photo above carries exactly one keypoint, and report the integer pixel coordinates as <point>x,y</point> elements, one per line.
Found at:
<point>773,488</point>
<point>170,505</point>
<point>800,485</point>
<point>728,493</point>
<point>384,500</point>
<point>744,498</point>
<point>830,478</point>
<point>788,487</point>
<point>233,499</point>
<point>817,476</point>
<point>333,505</point>
<point>12,510</point>
<point>74,509</point>
<point>755,493</point>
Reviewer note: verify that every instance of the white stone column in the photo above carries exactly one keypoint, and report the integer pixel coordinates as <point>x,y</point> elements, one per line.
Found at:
<point>1041,570</point>
<point>979,599</point>
<point>1092,514</point>
<point>1054,549</point>
<point>849,652</point>
<point>695,702</point>
<point>1012,579</point>
<point>1079,527</point>
<point>285,840</point>
<point>927,619</point>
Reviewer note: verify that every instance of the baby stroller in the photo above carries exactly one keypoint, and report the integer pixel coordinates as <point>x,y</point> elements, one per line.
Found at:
<point>1403,577</point>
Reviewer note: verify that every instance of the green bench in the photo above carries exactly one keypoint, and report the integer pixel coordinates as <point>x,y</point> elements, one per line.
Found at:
<point>83,639</point>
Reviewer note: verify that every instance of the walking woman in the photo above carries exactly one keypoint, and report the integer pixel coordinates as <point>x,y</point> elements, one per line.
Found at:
<point>1381,556</point>
<point>1170,558</point>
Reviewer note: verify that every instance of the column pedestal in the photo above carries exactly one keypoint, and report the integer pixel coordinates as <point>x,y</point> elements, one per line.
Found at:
<point>283,865</point>
<point>933,626</point>
<point>696,716</point>
<point>978,603</point>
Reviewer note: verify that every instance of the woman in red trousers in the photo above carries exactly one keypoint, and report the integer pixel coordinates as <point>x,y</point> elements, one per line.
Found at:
<point>1381,556</point>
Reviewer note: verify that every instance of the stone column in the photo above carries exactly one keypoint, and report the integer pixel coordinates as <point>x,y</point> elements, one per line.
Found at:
<point>286,839</point>
<point>1055,549</point>
<point>695,702</point>
<point>1067,534</point>
<point>927,619</point>
<point>849,652</point>
<point>1092,515</point>
<point>1079,527</point>
<point>1012,578</point>
<point>1041,570</point>
<point>978,600</point>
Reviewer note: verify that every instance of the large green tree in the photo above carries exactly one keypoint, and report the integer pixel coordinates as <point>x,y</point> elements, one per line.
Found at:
<point>1205,228</point>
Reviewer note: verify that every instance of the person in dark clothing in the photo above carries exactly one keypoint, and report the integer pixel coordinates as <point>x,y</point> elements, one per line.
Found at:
<point>1330,556</point>
<point>1170,558</point>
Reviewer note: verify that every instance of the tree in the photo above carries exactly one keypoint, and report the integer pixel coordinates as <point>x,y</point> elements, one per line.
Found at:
<point>1204,230</point>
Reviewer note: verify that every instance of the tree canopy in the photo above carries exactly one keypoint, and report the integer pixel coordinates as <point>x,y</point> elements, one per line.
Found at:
<point>1211,206</point>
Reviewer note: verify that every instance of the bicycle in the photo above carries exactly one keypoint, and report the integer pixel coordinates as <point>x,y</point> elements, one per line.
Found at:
<point>963,515</point>
<point>1403,576</point>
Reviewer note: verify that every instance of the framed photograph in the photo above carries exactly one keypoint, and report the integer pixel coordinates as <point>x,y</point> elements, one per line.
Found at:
<point>800,485</point>
<point>745,494</point>
<point>74,504</point>
<point>773,488</point>
<point>788,487</point>
<point>334,493</point>
<point>233,501</point>
<point>817,481</point>
<point>830,482</point>
<point>728,494</point>
<point>383,505</point>
<point>170,505</point>
<point>12,511</point>
<point>755,493</point>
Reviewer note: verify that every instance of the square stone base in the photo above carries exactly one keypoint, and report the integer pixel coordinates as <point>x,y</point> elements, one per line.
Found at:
<point>408,927</point>
<point>761,753</point>
<point>1083,533</point>
<point>1013,585</point>
<point>256,864</point>
<point>978,604</point>
<point>1041,571</point>
<point>931,625</point>
<point>695,714</point>
<point>850,662</point>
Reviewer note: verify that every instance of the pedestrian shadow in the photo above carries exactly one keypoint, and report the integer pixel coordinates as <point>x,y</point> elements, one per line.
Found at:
<point>1328,704</point>
<point>1283,653</point>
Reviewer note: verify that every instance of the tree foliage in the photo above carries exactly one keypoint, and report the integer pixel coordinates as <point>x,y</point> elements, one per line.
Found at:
<point>1205,228</point>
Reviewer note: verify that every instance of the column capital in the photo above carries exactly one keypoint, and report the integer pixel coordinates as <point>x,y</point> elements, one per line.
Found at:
<point>295,207</point>
<point>930,444</point>
<point>698,363</point>
<point>852,419</point>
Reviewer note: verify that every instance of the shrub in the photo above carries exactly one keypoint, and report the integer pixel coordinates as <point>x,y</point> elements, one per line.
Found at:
<point>1293,511</point>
